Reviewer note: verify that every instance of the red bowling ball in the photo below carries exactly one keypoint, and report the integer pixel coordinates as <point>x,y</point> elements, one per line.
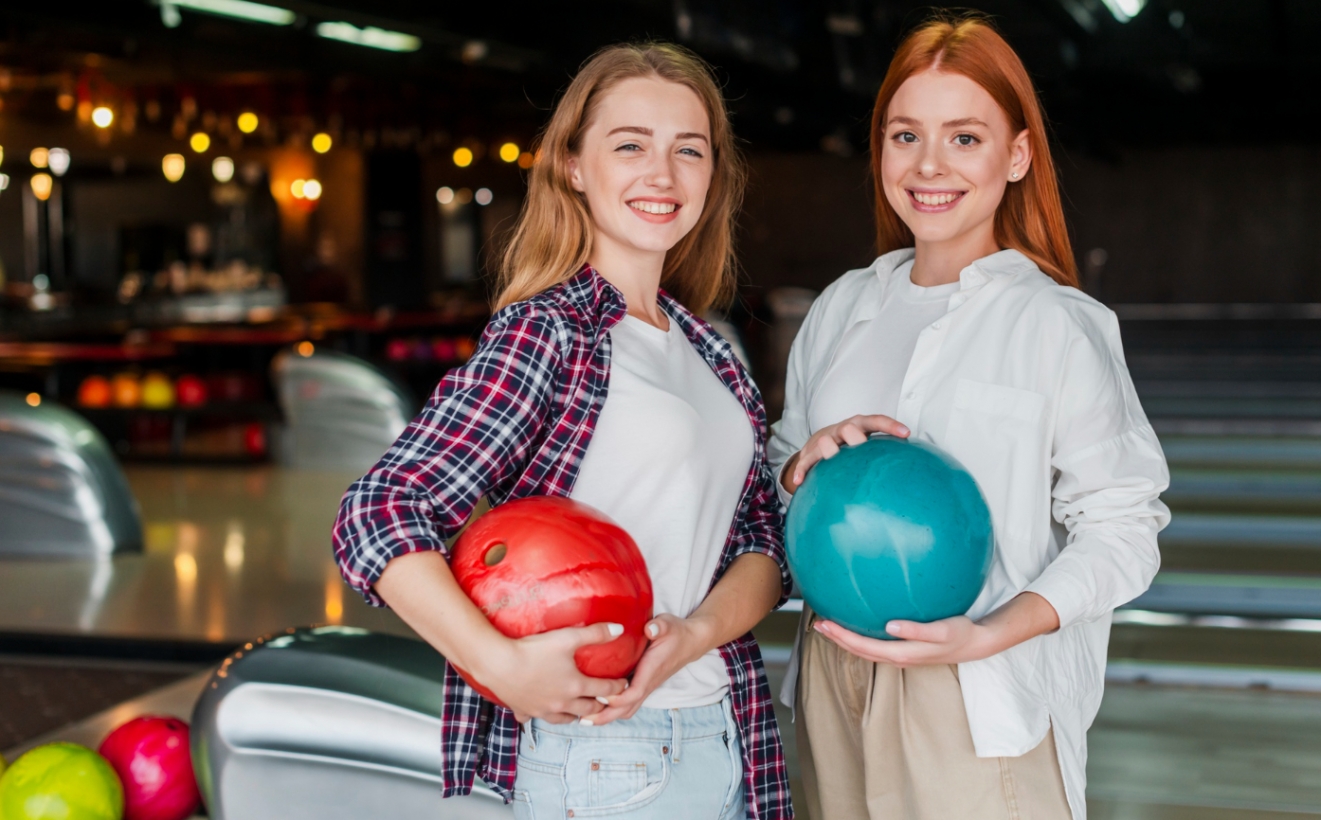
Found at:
<point>538,564</point>
<point>151,756</point>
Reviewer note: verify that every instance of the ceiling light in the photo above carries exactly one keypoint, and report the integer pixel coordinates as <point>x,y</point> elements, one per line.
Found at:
<point>172,166</point>
<point>321,143</point>
<point>39,157</point>
<point>58,159</point>
<point>41,186</point>
<point>370,36</point>
<point>483,196</point>
<point>240,9</point>
<point>296,188</point>
<point>222,168</point>
<point>312,190</point>
<point>1124,10</point>
<point>102,117</point>
<point>445,195</point>
<point>247,122</point>
<point>509,152</point>
<point>199,142</point>
<point>463,157</point>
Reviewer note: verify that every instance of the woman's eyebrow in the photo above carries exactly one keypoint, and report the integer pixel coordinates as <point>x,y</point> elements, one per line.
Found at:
<point>965,121</point>
<point>647,132</point>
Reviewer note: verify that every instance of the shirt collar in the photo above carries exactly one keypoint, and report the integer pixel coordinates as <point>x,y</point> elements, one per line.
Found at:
<point>998,264</point>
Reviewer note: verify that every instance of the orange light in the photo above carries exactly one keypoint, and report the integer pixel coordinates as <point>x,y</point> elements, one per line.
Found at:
<point>296,188</point>
<point>34,399</point>
<point>306,349</point>
<point>321,143</point>
<point>509,152</point>
<point>525,160</point>
<point>173,166</point>
<point>42,185</point>
<point>463,157</point>
<point>247,122</point>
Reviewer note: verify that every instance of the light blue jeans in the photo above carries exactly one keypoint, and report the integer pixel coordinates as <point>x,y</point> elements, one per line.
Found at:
<point>660,764</point>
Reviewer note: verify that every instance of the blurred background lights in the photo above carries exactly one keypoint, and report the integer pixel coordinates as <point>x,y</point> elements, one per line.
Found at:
<point>483,196</point>
<point>240,9</point>
<point>199,142</point>
<point>321,143</point>
<point>463,196</point>
<point>4,182</point>
<point>41,186</point>
<point>296,188</point>
<point>58,160</point>
<point>525,159</point>
<point>222,168</point>
<point>306,349</point>
<point>509,152</point>
<point>312,190</point>
<point>102,117</point>
<point>172,166</point>
<point>248,122</point>
<point>39,157</point>
<point>463,157</point>
<point>1124,10</point>
<point>445,195</point>
<point>370,36</point>
<point>34,399</point>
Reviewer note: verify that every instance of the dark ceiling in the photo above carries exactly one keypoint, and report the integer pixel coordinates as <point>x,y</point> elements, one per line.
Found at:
<point>800,75</point>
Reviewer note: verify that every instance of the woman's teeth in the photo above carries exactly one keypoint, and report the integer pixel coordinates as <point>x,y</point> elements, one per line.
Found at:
<point>935,199</point>
<point>653,207</point>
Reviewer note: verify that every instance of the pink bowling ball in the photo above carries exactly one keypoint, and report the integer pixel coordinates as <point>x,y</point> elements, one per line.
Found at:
<point>151,756</point>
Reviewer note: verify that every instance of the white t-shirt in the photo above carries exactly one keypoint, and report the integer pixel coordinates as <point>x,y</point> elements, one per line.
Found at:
<point>867,372</point>
<point>668,461</point>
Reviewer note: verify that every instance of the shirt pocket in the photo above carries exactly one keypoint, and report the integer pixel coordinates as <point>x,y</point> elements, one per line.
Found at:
<point>998,433</point>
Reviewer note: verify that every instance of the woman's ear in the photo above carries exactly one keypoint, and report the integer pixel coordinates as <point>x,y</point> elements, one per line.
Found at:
<point>575,175</point>
<point>1020,156</point>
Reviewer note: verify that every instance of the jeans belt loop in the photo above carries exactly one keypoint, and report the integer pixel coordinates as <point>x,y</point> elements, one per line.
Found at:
<point>676,724</point>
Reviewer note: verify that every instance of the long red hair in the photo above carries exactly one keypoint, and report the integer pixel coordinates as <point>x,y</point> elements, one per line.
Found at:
<point>1030,218</point>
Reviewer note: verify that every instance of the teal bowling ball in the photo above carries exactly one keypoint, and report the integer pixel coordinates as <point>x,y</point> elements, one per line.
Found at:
<point>889,530</point>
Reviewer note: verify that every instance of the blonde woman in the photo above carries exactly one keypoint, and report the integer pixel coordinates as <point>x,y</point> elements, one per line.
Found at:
<point>594,383</point>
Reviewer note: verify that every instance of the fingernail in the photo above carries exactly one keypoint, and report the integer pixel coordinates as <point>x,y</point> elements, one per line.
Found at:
<point>820,627</point>
<point>603,700</point>
<point>586,722</point>
<point>892,628</point>
<point>615,630</point>
<point>653,630</point>
<point>903,429</point>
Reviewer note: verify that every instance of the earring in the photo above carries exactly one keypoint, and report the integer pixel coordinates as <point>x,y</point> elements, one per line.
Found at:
<point>1014,175</point>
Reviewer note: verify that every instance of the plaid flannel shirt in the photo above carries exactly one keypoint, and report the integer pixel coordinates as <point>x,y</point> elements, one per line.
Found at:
<point>515,421</point>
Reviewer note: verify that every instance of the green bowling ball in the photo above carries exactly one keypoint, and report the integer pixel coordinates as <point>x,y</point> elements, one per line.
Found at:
<point>3,765</point>
<point>61,781</point>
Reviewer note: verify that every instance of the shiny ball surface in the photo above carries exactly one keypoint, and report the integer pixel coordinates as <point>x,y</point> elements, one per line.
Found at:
<point>889,530</point>
<point>537,564</point>
<point>61,781</point>
<point>151,756</point>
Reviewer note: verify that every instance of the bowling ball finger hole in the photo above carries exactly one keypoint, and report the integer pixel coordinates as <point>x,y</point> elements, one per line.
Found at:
<point>495,554</point>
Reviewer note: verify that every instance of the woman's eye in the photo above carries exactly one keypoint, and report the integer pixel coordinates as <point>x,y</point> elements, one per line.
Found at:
<point>692,152</point>
<point>905,137</point>
<point>966,139</point>
<point>629,146</point>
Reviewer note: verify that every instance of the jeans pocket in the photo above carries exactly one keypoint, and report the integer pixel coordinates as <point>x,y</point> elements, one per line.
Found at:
<point>609,783</point>
<point>619,778</point>
<point>523,805</point>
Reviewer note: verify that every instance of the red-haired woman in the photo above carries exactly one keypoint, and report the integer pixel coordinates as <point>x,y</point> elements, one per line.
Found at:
<point>969,332</point>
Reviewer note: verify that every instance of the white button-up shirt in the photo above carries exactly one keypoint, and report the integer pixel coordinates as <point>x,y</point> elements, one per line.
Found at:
<point>1024,382</point>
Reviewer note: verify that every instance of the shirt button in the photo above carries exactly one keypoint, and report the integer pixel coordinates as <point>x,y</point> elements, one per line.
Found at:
<point>912,394</point>
<point>936,326</point>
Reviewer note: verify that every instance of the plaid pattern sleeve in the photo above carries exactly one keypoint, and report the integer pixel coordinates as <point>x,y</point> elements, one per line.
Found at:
<point>474,434</point>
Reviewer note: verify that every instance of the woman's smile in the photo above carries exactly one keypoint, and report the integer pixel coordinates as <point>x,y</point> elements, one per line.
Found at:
<point>655,210</point>
<point>934,202</point>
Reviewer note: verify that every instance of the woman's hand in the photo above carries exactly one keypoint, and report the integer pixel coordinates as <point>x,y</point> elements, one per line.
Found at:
<point>951,640</point>
<point>536,676</point>
<point>826,442</point>
<point>675,643</point>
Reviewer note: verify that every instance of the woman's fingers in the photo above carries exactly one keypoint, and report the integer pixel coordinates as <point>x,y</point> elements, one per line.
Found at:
<point>881,424</point>
<point>852,434</point>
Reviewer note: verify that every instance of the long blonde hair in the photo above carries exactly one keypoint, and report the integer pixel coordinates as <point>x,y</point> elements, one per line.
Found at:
<point>553,236</point>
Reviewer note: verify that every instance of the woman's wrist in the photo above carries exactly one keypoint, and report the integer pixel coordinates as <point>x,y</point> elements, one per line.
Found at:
<point>787,473</point>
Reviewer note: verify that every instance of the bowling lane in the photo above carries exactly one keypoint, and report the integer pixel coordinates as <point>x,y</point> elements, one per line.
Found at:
<point>230,553</point>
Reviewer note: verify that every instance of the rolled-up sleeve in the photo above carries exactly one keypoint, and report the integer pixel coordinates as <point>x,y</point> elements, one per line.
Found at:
<point>476,432</point>
<point>1109,474</point>
<point>760,529</point>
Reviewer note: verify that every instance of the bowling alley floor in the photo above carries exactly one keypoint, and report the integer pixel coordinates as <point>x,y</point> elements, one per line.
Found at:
<point>1208,719</point>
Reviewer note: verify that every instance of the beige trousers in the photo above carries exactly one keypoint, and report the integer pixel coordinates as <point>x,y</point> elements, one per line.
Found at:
<point>880,743</point>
